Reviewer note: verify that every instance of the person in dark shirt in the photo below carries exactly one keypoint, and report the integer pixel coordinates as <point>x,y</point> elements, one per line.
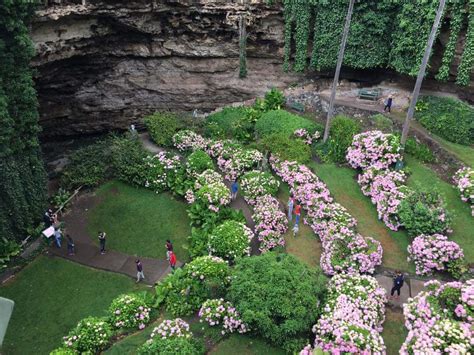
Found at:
<point>48,218</point>
<point>398,281</point>
<point>169,245</point>
<point>140,274</point>
<point>70,245</point>
<point>102,237</point>
<point>388,104</point>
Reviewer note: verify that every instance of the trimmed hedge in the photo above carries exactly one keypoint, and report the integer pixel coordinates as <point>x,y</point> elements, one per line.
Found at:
<point>283,122</point>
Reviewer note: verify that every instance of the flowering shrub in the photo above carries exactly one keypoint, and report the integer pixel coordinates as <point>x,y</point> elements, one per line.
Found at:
<point>258,183</point>
<point>423,212</point>
<point>172,328</point>
<point>433,252</point>
<point>440,319</point>
<point>214,196</point>
<point>91,334</point>
<point>161,171</point>
<point>219,312</point>
<point>386,189</point>
<point>373,148</point>
<point>172,346</point>
<point>128,311</point>
<point>234,161</point>
<point>63,351</point>
<point>270,223</point>
<point>464,180</point>
<point>229,240</point>
<point>188,140</point>
<point>198,162</point>
<point>304,135</point>
<point>343,249</point>
<point>208,267</point>
<point>353,316</point>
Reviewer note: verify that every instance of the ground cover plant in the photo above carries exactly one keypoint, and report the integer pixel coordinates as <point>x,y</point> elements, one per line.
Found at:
<point>162,126</point>
<point>283,122</point>
<point>36,291</point>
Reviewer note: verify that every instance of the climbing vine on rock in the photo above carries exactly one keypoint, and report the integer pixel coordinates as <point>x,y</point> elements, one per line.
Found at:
<point>457,16</point>
<point>303,9</point>
<point>288,15</point>
<point>467,59</point>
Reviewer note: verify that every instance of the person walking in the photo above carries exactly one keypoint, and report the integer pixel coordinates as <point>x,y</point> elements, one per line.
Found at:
<point>58,236</point>
<point>172,260</point>
<point>48,218</point>
<point>234,188</point>
<point>102,237</point>
<point>398,281</point>
<point>297,213</point>
<point>291,204</point>
<point>70,245</point>
<point>388,104</point>
<point>169,245</point>
<point>140,274</point>
<point>296,229</point>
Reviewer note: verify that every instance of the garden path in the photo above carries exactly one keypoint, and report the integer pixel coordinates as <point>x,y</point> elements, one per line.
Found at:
<point>87,252</point>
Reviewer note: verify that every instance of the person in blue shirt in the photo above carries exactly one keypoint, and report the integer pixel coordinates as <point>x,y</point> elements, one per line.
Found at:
<point>397,284</point>
<point>388,104</point>
<point>234,188</point>
<point>58,237</point>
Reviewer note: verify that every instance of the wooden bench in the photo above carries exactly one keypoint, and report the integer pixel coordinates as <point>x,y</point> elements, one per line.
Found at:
<point>297,106</point>
<point>369,94</point>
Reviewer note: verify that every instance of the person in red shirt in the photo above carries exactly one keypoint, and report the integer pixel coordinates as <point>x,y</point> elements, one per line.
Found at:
<point>297,213</point>
<point>172,260</point>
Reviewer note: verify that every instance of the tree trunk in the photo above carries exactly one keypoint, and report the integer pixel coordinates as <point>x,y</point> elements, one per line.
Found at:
<point>421,72</point>
<point>340,57</point>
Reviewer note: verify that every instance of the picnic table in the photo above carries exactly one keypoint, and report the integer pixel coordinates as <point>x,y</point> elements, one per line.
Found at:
<point>370,94</point>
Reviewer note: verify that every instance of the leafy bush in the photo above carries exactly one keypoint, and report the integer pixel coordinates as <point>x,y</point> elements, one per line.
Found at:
<point>162,126</point>
<point>8,249</point>
<point>382,123</point>
<point>129,311</point>
<point>63,351</point>
<point>184,291</point>
<point>419,150</point>
<point>127,159</point>
<point>225,123</point>
<point>278,297</point>
<point>90,335</point>
<point>449,118</point>
<point>341,134</point>
<point>286,148</point>
<point>88,166</point>
<point>274,100</point>
<point>258,183</point>
<point>172,346</point>
<point>279,121</point>
<point>198,162</point>
<point>219,312</point>
<point>464,180</point>
<point>423,211</point>
<point>230,240</point>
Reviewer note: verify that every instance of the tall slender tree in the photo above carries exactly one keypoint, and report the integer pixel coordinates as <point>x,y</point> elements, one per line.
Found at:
<point>421,72</point>
<point>22,173</point>
<point>340,57</point>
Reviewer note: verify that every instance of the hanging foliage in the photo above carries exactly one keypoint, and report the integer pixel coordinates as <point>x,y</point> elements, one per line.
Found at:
<point>288,15</point>
<point>303,18</point>
<point>23,187</point>
<point>467,59</point>
<point>457,16</point>
<point>242,47</point>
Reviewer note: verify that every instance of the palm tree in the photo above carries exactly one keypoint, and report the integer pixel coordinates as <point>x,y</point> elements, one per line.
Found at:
<point>338,69</point>
<point>421,72</point>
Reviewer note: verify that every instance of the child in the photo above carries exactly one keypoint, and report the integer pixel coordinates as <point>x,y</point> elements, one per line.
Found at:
<point>296,228</point>
<point>140,274</point>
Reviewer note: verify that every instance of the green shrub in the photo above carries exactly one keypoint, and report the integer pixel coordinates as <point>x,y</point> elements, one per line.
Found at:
<point>8,249</point>
<point>283,122</point>
<point>162,126</point>
<point>63,351</point>
<point>423,211</point>
<point>457,268</point>
<point>382,123</point>
<point>88,166</point>
<point>127,159</point>
<point>343,130</point>
<point>257,183</point>
<point>419,150</point>
<point>274,100</point>
<point>230,240</point>
<point>449,118</point>
<point>90,335</point>
<point>225,123</point>
<point>285,147</point>
<point>278,297</point>
<point>172,346</point>
<point>198,162</point>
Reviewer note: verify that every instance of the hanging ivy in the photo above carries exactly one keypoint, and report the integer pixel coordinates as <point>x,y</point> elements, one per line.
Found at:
<point>467,59</point>
<point>457,16</point>
<point>302,12</point>
<point>288,15</point>
<point>242,48</point>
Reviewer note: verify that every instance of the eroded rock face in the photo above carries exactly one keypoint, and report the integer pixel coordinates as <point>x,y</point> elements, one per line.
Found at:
<point>106,64</point>
<point>103,64</point>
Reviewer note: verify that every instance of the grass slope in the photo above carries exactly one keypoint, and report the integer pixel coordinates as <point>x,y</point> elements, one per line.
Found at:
<point>51,295</point>
<point>394,331</point>
<point>138,221</point>
<point>244,345</point>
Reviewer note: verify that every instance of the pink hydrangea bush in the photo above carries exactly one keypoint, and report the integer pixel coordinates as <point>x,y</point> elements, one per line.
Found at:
<point>129,311</point>
<point>172,328</point>
<point>270,223</point>
<point>257,183</point>
<point>433,252</point>
<point>304,135</point>
<point>161,170</point>
<point>352,317</point>
<point>343,248</point>
<point>386,189</point>
<point>219,312</point>
<point>440,319</point>
<point>464,180</point>
<point>208,267</point>
<point>188,140</point>
<point>373,148</point>
<point>210,191</point>
<point>230,240</point>
<point>234,161</point>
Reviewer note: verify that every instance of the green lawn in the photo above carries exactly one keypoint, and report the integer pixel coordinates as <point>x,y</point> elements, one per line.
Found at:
<point>464,153</point>
<point>343,186</point>
<point>394,331</point>
<point>138,221</point>
<point>51,295</point>
<point>305,246</point>
<point>245,345</point>
<point>463,223</point>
